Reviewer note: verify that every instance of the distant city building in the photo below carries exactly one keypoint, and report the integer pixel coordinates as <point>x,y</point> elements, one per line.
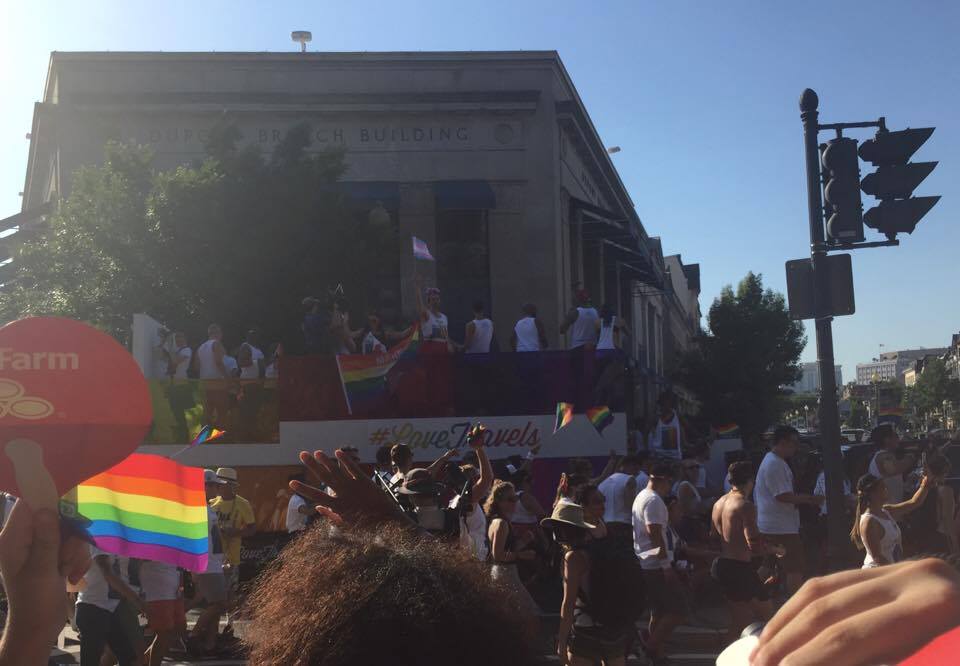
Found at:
<point>810,381</point>
<point>891,366</point>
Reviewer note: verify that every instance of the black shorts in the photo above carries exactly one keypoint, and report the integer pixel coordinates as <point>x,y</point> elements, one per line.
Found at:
<point>738,580</point>
<point>664,596</point>
<point>597,643</point>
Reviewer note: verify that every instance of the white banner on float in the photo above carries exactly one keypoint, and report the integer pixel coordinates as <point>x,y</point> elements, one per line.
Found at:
<point>506,436</point>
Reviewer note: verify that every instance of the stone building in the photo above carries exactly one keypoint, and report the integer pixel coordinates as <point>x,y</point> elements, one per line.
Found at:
<point>489,156</point>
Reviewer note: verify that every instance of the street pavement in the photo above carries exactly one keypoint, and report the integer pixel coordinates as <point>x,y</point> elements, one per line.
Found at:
<point>696,643</point>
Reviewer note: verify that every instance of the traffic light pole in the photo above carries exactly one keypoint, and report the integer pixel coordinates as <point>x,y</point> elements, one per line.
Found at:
<point>829,410</point>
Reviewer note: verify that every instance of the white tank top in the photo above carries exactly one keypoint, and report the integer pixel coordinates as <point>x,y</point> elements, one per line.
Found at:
<point>521,516</point>
<point>606,335</point>
<point>584,329</point>
<point>891,549</point>
<point>477,529</point>
<point>528,338</point>
<point>616,508</point>
<point>482,335</point>
<point>662,444</point>
<point>207,366</point>
<point>435,326</point>
<point>894,483</point>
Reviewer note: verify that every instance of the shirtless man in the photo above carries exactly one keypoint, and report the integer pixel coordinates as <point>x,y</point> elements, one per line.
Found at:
<point>735,520</point>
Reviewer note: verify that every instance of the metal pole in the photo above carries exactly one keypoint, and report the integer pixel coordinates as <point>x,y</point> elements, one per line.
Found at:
<point>829,410</point>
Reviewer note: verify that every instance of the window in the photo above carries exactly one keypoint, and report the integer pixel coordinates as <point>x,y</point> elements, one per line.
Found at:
<point>463,265</point>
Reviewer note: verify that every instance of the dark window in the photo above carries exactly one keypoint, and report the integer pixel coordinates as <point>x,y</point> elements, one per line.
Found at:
<point>463,265</point>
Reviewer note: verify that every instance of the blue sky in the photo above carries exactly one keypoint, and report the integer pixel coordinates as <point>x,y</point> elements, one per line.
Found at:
<point>701,96</point>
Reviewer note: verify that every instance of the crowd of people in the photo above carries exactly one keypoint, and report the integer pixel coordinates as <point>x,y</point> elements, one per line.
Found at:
<point>434,559</point>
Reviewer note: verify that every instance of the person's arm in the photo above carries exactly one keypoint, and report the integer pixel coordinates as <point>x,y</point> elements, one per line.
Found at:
<point>608,469</point>
<point>529,458</point>
<point>574,566</point>
<point>800,498</point>
<point>656,536</point>
<point>469,333</point>
<point>898,511</point>
<point>513,340</point>
<point>947,505</point>
<point>436,467</point>
<point>114,581</point>
<point>499,531</point>
<point>531,504</point>
<point>751,532</point>
<point>481,487</point>
<point>541,333</point>
<point>571,317</point>
<point>218,354</point>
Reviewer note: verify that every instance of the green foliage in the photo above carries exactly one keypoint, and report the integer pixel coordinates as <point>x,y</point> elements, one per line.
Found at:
<point>236,239</point>
<point>934,385</point>
<point>750,351</point>
<point>858,415</point>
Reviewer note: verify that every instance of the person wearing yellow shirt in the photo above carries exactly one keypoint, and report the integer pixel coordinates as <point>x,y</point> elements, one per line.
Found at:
<point>236,519</point>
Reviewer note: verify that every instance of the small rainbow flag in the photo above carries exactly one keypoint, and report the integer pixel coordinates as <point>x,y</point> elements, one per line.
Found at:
<point>364,376</point>
<point>148,507</point>
<point>892,411</point>
<point>600,417</point>
<point>564,415</point>
<point>207,434</point>
<point>728,430</point>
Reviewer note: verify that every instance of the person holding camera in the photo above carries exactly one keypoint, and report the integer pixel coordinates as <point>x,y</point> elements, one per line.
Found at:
<point>506,550</point>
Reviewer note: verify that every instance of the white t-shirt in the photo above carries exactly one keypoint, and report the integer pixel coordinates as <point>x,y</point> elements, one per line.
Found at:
<point>584,329</point>
<point>207,365</point>
<point>528,337</point>
<point>820,488</point>
<point>160,581</point>
<point>230,363</point>
<point>185,354</point>
<point>616,507</point>
<point>296,521</point>
<point>775,478</point>
<point>435,327</point>
<point>214,543</point>
<point>97,592</point>
<point>482,336</point>
<point>606,334</point>
<point>648,509</point>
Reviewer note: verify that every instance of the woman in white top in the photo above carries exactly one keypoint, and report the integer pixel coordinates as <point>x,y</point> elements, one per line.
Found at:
<point>528,334</point>
<point>479,332</point>
<point>610,329</point>
<point>433,323</point>
<point>875,528</point>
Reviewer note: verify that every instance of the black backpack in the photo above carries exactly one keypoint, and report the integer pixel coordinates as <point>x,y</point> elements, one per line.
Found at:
<point>617,597</point>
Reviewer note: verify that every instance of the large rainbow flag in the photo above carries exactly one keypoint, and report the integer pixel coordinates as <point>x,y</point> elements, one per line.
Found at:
<point>148,507</point>
<point>364,376</point>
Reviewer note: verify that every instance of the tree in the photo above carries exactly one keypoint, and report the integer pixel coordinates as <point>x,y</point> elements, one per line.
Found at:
<point>934,385</point>
<point>858,414</point>
<point>238,238</point>
<point>738,367</point>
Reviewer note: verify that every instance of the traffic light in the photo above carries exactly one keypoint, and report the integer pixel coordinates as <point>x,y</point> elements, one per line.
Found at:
<point>895,179</point>
<point>842,191</point>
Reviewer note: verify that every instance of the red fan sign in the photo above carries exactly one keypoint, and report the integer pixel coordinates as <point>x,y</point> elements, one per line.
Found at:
<point>73,403</point>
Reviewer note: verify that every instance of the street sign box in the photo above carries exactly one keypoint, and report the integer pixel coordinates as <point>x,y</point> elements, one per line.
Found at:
<point>800,288</point>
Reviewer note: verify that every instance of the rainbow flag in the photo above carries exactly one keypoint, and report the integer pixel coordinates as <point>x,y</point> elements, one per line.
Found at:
<point>564,415</point>
<point>729,430</point>
<point>364,376</point>
<point>148,507</point>
<point>600,417</point>
<point>891,411</point>
<point>207,434</point>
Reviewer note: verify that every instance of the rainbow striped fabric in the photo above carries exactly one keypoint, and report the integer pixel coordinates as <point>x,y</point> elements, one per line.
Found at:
<point>207,434</point>
<point>728,430</point>
<point>600,417</point>
<point>148,507</point>
<point>364,376</point>
<point>564,415</point>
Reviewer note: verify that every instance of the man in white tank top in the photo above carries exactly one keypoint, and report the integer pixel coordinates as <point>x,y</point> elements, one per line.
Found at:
<point>479,332</point>
<point>581,321</point>
<point>619,490</point>
<point>211,365</point>
<point>528,333</point>
<point>885,464</point>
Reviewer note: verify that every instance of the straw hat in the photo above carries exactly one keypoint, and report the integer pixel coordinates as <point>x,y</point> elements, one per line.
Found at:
<point>566,513</point>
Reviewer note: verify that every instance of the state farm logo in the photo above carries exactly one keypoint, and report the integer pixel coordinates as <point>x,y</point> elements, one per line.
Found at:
<point>16,404</point>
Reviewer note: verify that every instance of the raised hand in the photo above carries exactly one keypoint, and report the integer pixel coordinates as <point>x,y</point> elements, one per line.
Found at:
<point>358,500</point>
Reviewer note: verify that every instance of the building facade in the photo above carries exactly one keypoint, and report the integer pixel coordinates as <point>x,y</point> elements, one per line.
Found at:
<point>890,366</point>
<point>490,154</point>
<point>810,380</point>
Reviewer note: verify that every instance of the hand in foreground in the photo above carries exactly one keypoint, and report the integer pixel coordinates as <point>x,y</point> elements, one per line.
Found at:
<point>867,616</point>
<point>358,502</point>
<point>34,565</point>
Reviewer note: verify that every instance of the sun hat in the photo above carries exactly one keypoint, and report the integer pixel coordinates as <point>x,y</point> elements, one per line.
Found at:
<point>209,476</point>
<point>227,474</point>
<point>419,481</point>
<point>566,513</point>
